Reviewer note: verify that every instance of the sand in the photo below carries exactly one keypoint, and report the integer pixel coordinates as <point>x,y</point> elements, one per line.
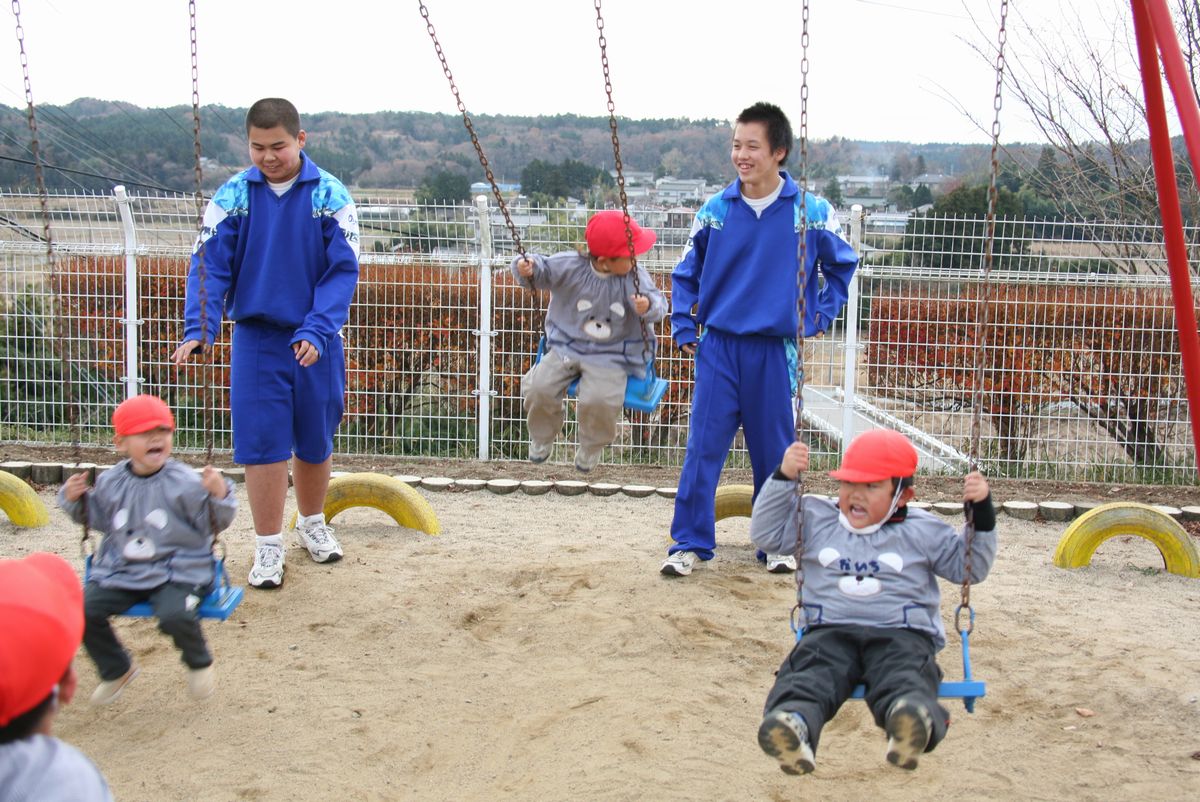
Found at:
<point>533,652</point>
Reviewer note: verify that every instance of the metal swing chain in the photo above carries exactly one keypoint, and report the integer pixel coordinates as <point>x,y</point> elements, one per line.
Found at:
<point>983,325</point>
<point>616,143</point>
<point>797,617</point>
<point>206,356</point>
<point>462,109</point>
<point>60,342</point>
<point>201,273</point>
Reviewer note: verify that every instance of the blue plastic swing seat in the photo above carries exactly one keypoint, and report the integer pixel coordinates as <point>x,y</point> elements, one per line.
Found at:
<point>641,395</point>
<point>219,604</point>
<point>966,689</point>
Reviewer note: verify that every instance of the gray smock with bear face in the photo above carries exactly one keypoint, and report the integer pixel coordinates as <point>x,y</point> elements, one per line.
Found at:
<point>591,317</point>
<point>156,528</point>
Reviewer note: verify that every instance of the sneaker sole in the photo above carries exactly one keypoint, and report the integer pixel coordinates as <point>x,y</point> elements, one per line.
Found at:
<point>908,736</point>
<point>329,558</point>
<point>781,742</point>
<point>266,584</point>
<point>670,569</point>
<point>781,568</point>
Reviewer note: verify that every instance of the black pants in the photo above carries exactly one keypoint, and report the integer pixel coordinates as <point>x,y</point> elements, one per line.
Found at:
<point>169,602</point>
<point>823,668</point>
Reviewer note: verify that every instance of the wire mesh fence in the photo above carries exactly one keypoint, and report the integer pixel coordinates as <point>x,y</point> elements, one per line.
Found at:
<point>1078,376</point>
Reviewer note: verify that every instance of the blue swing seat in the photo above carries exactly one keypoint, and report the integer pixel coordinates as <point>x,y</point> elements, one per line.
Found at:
<point>966,689</point>
<point>219,604</point>
<point>641,395</point>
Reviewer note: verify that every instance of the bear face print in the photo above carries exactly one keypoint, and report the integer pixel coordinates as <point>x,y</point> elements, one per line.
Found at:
<point>598,324</point>
<point>860,578</point>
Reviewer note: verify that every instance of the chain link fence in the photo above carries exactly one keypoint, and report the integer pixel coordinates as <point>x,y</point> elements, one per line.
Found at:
<point>1081,379</point>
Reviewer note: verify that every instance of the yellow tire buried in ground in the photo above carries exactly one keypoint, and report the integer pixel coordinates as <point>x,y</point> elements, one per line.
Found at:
<point>734,501</point>
<point>20,503</point>
<point>380,492</point>
<point>1089,530</point>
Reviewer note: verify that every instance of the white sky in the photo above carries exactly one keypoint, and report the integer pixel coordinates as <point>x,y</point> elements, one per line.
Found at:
<point>900,70</point>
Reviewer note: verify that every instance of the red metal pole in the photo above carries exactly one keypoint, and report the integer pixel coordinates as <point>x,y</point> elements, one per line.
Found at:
<point>1168,199</point>
<point>1177,77</point>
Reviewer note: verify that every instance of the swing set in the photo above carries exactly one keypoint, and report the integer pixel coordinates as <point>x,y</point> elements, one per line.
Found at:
<point>224,597</point>
<point>642,394</point>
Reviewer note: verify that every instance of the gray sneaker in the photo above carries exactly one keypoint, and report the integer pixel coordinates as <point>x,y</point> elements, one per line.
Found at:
<point>108,690</point>
<point>321,544</point>
<point>909,727</point>
<point>784,736</point>
<point>539,452</point>
<point>586,461</point>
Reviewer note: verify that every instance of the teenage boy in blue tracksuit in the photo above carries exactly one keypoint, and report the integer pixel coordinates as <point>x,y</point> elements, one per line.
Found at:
<point>738,280</point>
<point>279,247</point>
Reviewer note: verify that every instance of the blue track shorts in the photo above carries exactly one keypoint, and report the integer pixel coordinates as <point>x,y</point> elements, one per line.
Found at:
<point>280,408</point>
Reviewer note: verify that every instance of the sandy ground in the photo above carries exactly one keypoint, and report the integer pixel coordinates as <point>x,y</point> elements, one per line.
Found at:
<point>533,652</point>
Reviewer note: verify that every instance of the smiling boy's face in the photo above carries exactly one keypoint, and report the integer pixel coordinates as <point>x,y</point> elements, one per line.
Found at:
<point>148,451</point>
<point>275,152</point>
<point>865,503</point>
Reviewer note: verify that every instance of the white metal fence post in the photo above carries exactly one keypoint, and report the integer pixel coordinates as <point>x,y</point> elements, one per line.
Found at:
<point>485,332</point>
<point>850,350</point>
<point>132,318</point>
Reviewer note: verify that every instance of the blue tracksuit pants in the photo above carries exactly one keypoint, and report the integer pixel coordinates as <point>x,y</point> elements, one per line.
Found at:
<point>740,380</point>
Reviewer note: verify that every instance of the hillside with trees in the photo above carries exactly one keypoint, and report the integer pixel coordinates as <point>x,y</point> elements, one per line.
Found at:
<point>108,142</point>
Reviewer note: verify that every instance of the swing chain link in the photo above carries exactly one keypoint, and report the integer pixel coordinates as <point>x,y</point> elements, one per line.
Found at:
<point>60,341</point>
<point>616,143</point>
<point>982,317</point>
<point>483,160</point>
<point>797,617</point>
<point>206,356</point>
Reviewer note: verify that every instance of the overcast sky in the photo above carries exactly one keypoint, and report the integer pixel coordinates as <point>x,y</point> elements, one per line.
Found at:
<point>904,70</point>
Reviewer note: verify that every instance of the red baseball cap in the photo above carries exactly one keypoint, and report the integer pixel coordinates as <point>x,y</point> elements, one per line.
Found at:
<point>877,455</point>
<point>41,625</point>
<point>141,414</point>
<point>606,235</point>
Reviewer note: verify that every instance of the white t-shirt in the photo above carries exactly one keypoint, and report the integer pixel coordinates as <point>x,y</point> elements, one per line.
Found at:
<point>758,204</point>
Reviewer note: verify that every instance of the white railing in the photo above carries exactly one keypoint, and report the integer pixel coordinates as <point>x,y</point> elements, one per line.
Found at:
<point>1082,381</point>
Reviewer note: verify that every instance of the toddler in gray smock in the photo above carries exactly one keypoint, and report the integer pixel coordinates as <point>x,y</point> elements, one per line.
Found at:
<point>593,333</point>
<point>158,539</point>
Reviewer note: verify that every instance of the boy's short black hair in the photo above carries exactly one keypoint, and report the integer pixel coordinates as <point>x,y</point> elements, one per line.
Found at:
<point>272,111</point>
<point>899,482</point>
<point>779,130</point>
<point>27,723</point>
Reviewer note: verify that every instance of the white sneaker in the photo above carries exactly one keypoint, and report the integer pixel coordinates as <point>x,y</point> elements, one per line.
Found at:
<point>781,563</point>
<point>321,544</point>
<point>108,690</point>
<point>539,452</point>
<point>200,682</point>
<point>679,564</point>
<point>268,567</point>
<point>586,461</point>
<point>909,727</point>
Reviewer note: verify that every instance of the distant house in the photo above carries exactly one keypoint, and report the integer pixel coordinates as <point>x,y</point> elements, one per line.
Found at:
<point>673,191</point>
<point>937,182</point>
<point>484,188</point>
<point>635,178</point>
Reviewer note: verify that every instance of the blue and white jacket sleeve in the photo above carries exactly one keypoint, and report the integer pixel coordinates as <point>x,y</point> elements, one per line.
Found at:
<point>214,250</point>
<point>836,261</point>
<point>335,287</point>
<point>685,284</point>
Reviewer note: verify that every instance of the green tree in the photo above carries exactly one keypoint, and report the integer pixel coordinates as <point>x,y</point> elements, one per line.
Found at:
<point>444,186</point>
<point>921,196</point>
<point>833,192</point>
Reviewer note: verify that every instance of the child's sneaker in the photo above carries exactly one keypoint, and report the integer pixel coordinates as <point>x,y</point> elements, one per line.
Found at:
<point>539,452</point>
<point>586,461</point>
<point>108,690</point>
<point>909,727</point>
<point>781,563</point>
<point>321,544</point>
<point>679,564</point>
<point>201,683</point>
<point>268,567</point>
<point>784,736</point>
